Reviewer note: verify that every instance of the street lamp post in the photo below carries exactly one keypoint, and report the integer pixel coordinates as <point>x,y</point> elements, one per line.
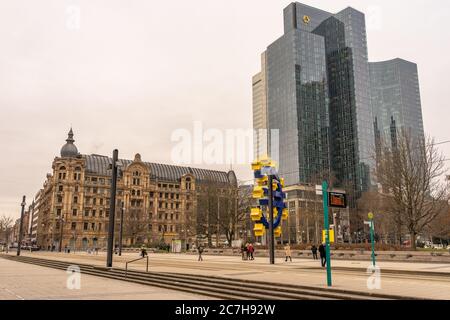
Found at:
<point>112,209</point>
<point>271,233</point>
<point>61,225</point>
<point>19,244</point>
<point>121,228</point>
<point>74,234</point>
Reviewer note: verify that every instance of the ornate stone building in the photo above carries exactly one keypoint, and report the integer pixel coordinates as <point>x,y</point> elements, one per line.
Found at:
<point>159,202</point>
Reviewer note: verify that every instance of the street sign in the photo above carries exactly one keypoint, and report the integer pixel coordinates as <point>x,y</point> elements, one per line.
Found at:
<point>337,200</point>
<point>318,190</point>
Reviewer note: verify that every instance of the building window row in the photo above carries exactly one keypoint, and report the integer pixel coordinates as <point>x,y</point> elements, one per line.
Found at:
<point>89,226</point>
<point>168,186</point>
<point>167,205</point>
<point>167,216</point>
<point>166,228</point>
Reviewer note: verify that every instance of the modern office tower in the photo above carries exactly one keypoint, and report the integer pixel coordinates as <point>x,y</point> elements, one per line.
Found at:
<point>395,100</point>
<point>297,103</point>
<point>259,85</point>
<point>318,96</point>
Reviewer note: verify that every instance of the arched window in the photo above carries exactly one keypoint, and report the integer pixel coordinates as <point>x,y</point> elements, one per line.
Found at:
<point>188,183</point>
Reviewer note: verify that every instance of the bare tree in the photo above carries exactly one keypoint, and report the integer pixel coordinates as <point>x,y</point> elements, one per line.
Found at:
<point>6,223</point>
<point>134,225</point>
<point>387,223</point>
<point>237,204</point>
<point>207,209</point>
<point>410,172</point>
<point>440,227</point>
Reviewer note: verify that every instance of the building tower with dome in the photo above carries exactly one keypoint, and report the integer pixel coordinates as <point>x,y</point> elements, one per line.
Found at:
<point>160,202</point>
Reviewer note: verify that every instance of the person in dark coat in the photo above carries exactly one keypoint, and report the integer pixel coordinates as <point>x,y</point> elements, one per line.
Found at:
<point>244,251</point>
<point>323,256</point>
<point>143,251</point>
<point>200,251</point>
<point>314,252</point>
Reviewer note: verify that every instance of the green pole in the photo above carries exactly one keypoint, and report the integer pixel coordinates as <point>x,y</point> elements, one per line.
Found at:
<point>373,242</point>
<point>327,230</point>
<point>370,216</point>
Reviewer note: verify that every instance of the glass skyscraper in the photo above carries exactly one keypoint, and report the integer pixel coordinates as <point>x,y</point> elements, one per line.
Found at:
<point>317,77</point>
<point>327,101</point>
<point>396,99</point>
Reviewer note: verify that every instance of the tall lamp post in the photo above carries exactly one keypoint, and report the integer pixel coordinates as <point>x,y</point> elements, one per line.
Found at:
<point>121,228</point>
<point>21,225</point>
<point>112,209</point>
<point>61,226</point>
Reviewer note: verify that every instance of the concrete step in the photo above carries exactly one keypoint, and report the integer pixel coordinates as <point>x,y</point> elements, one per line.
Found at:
<point>219,287</point>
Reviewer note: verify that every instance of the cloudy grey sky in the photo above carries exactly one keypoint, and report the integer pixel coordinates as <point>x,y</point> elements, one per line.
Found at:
<point>136,70</point>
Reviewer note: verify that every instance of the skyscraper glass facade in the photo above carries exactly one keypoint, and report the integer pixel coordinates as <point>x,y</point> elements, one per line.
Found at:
<point>396,98</point>
<point>298,103</point>
<point>320,96</point>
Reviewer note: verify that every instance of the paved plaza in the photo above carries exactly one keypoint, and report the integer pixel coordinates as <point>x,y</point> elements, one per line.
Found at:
<point>22,281</point>
<point>299,272</point>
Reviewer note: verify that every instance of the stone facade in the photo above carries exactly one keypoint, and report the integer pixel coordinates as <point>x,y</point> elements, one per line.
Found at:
<point>159,202</point>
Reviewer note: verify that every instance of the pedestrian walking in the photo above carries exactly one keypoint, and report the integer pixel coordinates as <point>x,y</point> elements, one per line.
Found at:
<point>247,253</point>
<point>96,251</point>
<point>243,252</point>
<point>314,252</point>
<point>251,250</point>
<point>323,257</point>
<point>143,251</point>
<point>287,252</point>
<point>200,251</point>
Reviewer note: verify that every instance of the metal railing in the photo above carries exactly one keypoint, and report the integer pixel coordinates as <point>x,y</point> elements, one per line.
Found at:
<point>126,264</point>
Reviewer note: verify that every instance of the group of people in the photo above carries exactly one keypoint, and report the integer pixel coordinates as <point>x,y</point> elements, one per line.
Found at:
<point>247,251</point>
<point>314,249</point>
<point>322,253</point>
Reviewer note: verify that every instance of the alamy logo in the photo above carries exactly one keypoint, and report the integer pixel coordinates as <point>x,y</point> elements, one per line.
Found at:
<point>374,18</point>
<point>374,280</point>
<point>74,279</point>
<point>73,17</point>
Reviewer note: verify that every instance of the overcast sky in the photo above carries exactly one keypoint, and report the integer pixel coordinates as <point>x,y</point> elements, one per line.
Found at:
<point>128,73</point>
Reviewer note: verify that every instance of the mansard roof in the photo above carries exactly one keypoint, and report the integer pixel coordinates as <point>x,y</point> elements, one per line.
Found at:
<point>99,165</point>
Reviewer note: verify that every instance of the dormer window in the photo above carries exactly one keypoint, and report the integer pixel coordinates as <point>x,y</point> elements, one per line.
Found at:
<point>188,183</point>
